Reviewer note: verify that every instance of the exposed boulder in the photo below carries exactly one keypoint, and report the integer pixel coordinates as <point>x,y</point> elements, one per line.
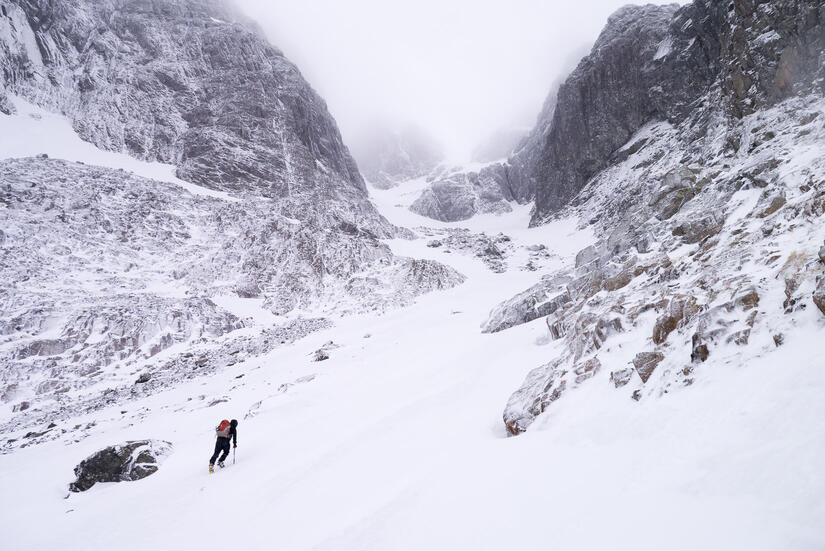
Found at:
<point>131,461</point>
<point>746,300</point>
<point>819,294</point>
<point>776,203</point>
<point>460,195</point>
<point>617,276</point>
<point>532,304</point>
<point>646,362</point>
<point>678,187</point>
<point>700,351</point>
<point>621,377</point>
<point>543,386</point>
<point>679,312</point>
<point>322,353</point>
<point>693,231</point>
<point>587,370</point>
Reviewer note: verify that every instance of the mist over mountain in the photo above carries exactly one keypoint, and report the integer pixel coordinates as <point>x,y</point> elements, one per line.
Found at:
<point>388,157</point>
<point>610,319</point>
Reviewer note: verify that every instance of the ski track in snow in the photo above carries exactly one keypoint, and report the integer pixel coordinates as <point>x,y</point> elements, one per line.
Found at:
<point>397,441</point>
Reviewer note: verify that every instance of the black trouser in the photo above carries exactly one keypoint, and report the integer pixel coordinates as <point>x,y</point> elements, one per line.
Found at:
<point>222,445</point>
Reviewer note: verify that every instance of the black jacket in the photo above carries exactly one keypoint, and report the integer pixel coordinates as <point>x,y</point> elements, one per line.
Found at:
<point>233,433</point>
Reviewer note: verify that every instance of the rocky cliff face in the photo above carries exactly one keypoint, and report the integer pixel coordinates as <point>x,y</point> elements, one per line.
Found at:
<point>188,83</point>
<point>193,84</point>
<point>101,269</point>
<point>661,64</point>
<point>702,176</point>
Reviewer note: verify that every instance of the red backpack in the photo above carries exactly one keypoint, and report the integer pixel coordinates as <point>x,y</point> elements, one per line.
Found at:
<point>223,429</point>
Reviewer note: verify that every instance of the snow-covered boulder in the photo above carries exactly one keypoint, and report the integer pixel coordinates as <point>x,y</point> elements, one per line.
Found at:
<point>459,195</point>
<point>131,461</point>
<point>819,295</point>
<point>534,303</point>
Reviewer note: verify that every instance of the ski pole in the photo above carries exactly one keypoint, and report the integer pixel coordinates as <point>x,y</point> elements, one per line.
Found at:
<point>233,455</point>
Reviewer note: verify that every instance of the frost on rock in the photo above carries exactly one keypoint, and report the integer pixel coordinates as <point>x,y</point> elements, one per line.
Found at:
<point>255,130</point>
<point>456,196</point>
<point>708,220</point>
<point>150,256</point>
<point>663,61</point>
<point>108,278</point>
<point>537,302</point>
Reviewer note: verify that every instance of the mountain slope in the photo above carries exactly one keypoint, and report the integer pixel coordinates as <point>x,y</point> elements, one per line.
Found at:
<point>401,428</point>
<point>705,196</point>
<point>659,63</point>
<point>102,270</point>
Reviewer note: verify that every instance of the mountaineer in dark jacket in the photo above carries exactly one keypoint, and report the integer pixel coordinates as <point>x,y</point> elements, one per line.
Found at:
<point>225,431</point>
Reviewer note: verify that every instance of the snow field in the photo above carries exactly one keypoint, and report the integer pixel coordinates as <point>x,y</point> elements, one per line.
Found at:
<point>397,442</point>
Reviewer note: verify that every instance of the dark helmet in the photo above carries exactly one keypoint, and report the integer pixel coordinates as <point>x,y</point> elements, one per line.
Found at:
<point>234,422</point>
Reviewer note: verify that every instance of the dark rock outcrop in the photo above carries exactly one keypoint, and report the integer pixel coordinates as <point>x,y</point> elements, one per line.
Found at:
<point>679,311</point>
<point>189,82</point>
<point>657,63</point>
<point>126,462</point>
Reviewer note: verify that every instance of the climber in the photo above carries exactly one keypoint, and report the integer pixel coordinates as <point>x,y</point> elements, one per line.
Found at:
<point>225,430</point>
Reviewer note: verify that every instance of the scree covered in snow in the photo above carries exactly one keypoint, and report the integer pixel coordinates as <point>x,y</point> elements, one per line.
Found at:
<point>448,361</point>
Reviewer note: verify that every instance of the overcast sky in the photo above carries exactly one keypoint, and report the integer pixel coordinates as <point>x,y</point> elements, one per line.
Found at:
<point>460,69</point>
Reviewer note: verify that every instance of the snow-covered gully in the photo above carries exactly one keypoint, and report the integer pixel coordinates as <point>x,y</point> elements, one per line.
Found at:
<point>396,442</point>
<point>608,338</point>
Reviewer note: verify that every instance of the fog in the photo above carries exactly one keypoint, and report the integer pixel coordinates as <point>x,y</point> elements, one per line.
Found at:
<point>459,69</point>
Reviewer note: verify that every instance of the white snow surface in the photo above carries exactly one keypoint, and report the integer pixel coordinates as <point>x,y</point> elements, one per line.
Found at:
<point>397,440</point>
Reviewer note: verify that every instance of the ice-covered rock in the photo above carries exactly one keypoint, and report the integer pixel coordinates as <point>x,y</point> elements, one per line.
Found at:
<point>679,312</point>
<point>678,187</point>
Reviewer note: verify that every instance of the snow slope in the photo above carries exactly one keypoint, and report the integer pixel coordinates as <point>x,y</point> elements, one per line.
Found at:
<point>396,442</point>
<point>32,131</point>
